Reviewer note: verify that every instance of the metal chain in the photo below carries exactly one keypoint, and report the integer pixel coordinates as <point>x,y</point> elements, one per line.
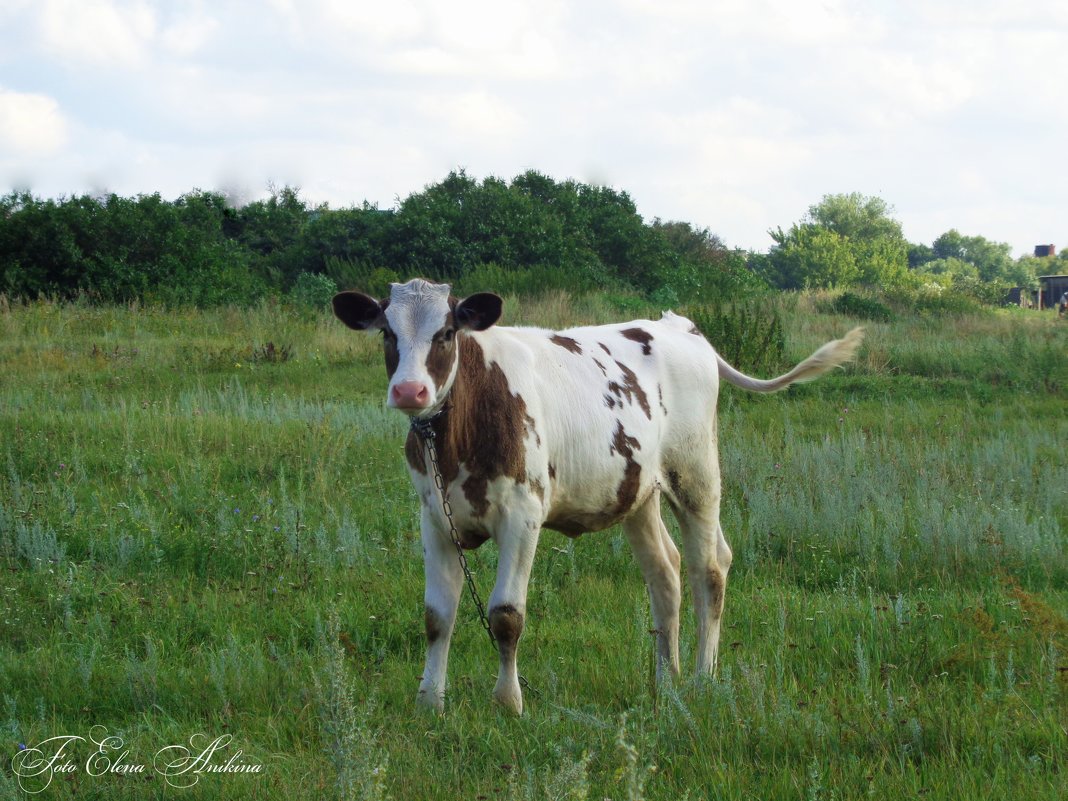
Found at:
<point>424,429</point>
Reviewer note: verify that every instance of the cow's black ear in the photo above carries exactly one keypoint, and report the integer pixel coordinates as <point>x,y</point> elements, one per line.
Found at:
<point>360,311</point>
<point>479,311</point>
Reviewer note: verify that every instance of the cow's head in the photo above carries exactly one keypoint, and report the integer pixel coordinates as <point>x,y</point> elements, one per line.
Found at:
<point>419,323</point>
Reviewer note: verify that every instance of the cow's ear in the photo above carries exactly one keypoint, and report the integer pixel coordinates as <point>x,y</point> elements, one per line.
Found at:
<point>479,311</point>
<point>360,311</point>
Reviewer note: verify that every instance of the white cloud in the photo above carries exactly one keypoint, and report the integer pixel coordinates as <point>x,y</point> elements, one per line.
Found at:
<point>735,114</point>
<point>186,35</point>
<point>97,31</point>
<point>476,116</point>
<point>31,125</point>
<point>398,20</point>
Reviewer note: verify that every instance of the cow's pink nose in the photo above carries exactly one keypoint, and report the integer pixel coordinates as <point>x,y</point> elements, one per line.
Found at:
<point>410,395</point>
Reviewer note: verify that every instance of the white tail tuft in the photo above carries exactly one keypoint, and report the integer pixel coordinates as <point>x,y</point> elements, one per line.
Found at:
<point>834,354</point>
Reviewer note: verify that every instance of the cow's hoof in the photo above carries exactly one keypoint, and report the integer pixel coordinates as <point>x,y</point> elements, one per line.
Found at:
<point>510,701</point>
<point>430,700</point>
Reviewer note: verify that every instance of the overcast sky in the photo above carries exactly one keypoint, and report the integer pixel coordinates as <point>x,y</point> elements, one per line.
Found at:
<point>731,114</point>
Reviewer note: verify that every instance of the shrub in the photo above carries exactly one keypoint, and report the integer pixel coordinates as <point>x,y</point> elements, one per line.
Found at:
<point>860,306</point>
<point>348,274</point>
<point>313,290</point>
<point>530,281</point>
<point>665,296</point>
<point>932,298</point>
<point>748,335</point>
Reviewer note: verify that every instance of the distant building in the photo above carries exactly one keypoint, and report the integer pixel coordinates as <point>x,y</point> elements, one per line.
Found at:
<point>1041,251</point>
<point>1019,296</point>
<point>1051,287</point>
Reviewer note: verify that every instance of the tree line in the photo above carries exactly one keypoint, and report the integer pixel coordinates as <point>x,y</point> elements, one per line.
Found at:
<point>851,240</point>
<point>525,235</point>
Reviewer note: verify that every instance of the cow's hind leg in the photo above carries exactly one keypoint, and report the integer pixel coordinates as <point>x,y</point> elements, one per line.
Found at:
<point>708,559</point>
<point>658,559</point>
<point>444,583</point>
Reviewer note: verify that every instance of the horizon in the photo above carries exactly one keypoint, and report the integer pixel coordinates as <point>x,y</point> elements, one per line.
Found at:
<point>735,117</point>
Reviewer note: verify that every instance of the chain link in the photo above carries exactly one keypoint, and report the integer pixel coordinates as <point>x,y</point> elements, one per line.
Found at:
<point>424,429</point>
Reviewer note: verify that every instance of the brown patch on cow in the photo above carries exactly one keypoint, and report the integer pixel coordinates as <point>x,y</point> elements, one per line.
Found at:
<point>537,488</point>
<point>681,494</point>
<point>567,343</point>
<point>552,471</point>
<point>660,396</point>
<point>435,626</point>
<point>601,366</point>
<point>531,429</point>
<point>627,491</point>
<point>442,355</point>
<point>639,335</point>
<point>716,587</point>
<point>483,428</point>
<point>475,488</point>
<point>675,484</point>
<point>414,453</point>
<point>609,401</point>
<point>604,347</point>
<point>506,623</point>
<point>389,348</point>
<point>631,389</point>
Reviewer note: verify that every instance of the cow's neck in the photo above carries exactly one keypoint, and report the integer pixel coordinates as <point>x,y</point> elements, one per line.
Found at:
<point>483,424</point>
<point>453,426</point>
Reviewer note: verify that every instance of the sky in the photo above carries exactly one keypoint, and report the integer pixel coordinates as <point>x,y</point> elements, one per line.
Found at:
<point>735,115</point>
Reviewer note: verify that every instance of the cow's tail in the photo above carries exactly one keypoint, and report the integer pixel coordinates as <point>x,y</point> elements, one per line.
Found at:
<point>834,354</point>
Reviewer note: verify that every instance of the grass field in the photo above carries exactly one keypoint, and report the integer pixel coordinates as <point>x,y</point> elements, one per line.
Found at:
<point>206,527</point>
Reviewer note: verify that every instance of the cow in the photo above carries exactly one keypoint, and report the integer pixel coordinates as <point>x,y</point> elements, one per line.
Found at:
<point>573,430</point>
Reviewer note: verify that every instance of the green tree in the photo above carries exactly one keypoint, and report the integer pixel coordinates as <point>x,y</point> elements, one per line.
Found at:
<point>856,217</point>
<point>843,240</point>
<point>919,255</point>
<point>270,229</point>
<point>809,256</point>
<point>705,269</point>
<point>992,260</point>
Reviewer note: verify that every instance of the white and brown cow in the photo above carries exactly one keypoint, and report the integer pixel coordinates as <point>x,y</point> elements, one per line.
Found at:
<point>573,430</point>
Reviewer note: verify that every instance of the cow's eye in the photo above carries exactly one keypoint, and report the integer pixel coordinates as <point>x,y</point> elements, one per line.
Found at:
<point>388,335</point>
<point>447,335</point>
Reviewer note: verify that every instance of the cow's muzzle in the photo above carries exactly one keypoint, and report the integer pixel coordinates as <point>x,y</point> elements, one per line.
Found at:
<point>409,396</point>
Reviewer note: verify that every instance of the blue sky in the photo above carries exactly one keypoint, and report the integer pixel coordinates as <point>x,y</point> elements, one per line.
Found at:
<point>731,114</point>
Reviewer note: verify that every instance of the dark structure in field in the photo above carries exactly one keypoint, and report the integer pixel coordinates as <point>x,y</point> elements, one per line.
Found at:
<point>1051,287</point>
<point>1047,296</point>
<point>1042,251</point>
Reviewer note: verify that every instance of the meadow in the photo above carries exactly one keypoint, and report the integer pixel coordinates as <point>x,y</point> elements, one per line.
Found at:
<point>207,527</point>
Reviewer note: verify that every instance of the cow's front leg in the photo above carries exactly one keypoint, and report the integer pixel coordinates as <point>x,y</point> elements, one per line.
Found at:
<point>444,583</point>
<point>516,542</point>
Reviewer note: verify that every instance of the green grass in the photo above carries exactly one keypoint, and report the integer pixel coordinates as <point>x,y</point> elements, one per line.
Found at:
<point>203,534</point>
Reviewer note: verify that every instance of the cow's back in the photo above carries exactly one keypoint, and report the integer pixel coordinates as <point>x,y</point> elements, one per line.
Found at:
<point>613,407</point>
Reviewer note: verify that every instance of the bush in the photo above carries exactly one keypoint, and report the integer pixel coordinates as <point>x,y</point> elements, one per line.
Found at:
<point>748,335</point>
<point>349,274</point>
<point>530,281</point>
<point>313,291</point>
<point>860,306</point>
<point>932,298</point>
<point>665,297</point>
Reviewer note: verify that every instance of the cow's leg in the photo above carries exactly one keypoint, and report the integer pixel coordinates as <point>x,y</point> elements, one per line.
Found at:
<point>516,542</point>
<point>444,583</point>
<point>708,559</point>
<point>658,559</point>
